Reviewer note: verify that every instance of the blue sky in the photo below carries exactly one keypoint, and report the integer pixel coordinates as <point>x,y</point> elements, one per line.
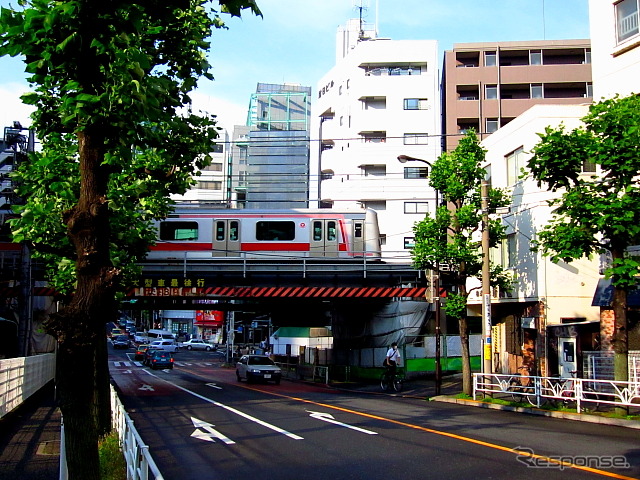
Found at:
<point>294,42</point>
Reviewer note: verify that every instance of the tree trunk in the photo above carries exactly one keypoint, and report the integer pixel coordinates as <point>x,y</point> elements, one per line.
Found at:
<point>83,374</point>
<point>467,384</point>
<point>620,340</point>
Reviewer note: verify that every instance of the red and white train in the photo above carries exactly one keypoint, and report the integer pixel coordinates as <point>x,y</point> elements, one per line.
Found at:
<point>196,232</point>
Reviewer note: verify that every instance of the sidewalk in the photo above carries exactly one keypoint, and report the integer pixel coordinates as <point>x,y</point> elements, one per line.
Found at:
<point>30,439</point>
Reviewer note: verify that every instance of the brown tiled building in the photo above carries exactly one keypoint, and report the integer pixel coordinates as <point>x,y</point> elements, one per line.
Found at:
<point>486,85</point>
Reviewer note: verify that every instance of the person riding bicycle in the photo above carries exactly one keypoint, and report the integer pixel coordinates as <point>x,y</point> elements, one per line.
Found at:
<point>393,357</point>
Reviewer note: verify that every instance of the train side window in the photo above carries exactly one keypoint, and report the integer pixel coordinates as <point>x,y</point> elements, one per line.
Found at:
<point>276,230</point>
<point>358,230</point>
<point>220,231</point>
<point>178,230</point>
<point>331,231</point>
<point>317,231</point>
<point>233,231</point>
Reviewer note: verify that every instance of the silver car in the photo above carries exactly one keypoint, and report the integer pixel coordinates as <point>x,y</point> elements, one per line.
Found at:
<point>257,367</point>
<point>197,344</point>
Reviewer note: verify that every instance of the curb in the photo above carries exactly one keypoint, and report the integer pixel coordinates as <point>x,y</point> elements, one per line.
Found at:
<point>580,417</point>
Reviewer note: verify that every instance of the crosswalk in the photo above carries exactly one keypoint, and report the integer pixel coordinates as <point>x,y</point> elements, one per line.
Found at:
<point>125,364</point>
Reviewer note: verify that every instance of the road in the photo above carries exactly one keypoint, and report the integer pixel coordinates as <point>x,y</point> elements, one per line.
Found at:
<point>201,423</point>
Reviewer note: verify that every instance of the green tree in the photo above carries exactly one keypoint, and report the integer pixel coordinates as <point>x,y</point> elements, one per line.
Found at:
<point>596,214</point>
<point>452,235</point>
<point>111,82</point>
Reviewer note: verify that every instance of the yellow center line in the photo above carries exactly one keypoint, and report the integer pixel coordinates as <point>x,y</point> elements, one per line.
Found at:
<point>526,453</point>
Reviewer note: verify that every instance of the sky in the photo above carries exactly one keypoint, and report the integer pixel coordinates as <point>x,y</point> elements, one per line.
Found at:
<point>294,42</point>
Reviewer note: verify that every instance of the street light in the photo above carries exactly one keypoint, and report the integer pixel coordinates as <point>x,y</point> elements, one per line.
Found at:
<point>436,297</point>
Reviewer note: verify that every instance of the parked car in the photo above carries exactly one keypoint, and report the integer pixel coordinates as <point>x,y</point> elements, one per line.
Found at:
<point>166,345</point>
<point>160,359</point>
<point>197,344</point>
<point>140,351</point>
<point>257,367</point>
<point>121,341</point>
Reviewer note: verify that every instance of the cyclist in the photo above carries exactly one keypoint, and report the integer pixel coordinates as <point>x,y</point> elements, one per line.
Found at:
<point>393,357</point>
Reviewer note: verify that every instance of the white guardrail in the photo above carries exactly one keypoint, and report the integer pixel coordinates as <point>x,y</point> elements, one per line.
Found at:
<point>140,464</point>
<point>22,377</point>
<point>585,393</point>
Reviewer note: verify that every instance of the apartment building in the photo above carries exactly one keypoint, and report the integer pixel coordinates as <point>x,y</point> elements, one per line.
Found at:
<point>211,181</point>
<point>547,319</point>
<point>615,38</point>
<point>270,154</point>
<point>379,101</point>
<point>486,85</point>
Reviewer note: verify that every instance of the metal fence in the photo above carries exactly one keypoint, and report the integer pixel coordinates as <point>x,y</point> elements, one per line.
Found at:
<point>140,464</point>
<point>599,365</point>
<point>584,393</point>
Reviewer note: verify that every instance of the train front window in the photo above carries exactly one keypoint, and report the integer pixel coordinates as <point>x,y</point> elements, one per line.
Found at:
<point>358,230</point>
<point>268,231</point>
<point>178,231</point>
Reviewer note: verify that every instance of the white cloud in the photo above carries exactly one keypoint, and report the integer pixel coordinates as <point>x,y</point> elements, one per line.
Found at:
<point>227,113</point>
<point>12,107</point>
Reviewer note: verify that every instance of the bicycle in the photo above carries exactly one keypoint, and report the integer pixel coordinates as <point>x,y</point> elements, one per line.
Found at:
<point>387,383</point>
<point>519,389</point>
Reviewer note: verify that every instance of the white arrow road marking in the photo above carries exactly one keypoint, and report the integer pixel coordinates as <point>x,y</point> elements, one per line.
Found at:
<point>147,387</point>
<point>327,417</point>
<point>213,385</point>
<point>210,433</point>
<point>127,371</point>
<point>233,410</point>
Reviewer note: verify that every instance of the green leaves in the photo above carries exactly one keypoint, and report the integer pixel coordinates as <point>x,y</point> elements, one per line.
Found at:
<point>594,214</point>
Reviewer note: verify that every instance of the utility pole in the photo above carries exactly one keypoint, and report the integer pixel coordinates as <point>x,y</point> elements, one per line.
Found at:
<point>486,279</point>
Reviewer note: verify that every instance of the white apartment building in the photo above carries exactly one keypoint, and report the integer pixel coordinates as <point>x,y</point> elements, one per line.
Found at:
<point>615,47</point>
<point>550,304</point>
<point>380,100</point>
<point>211,181</point>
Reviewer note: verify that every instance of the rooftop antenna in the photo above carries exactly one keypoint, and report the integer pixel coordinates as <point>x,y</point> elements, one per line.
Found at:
<point>361,7</point>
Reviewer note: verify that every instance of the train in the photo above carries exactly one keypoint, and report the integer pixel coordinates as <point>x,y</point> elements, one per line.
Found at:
<point>195,232</point>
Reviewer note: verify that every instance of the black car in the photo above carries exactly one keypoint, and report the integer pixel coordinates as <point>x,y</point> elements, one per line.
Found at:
<point>121,341</point>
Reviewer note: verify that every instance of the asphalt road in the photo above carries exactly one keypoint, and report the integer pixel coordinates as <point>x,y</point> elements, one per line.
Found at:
<point>201,423</point>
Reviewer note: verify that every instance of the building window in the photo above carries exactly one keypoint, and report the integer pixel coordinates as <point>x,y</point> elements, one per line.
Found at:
<point>416,172</point>
<point>515,163</point>
<point>409,243</point>
<point>490,92</point>
<point>378,205</point>
<point>588,166</point>
<point>589,90</point>
<point>374,137</point>
<point>512,250</point>
<point>374,170</point>
<point>627,19</point>
<point>416,207</point>
<point>536,90</point>
<point>535,57</point>
<point>415,104</point>
<point>490,59</point>
<point>491,125</point>
<point>210,185</point>
<point>374,103</point>
<point>214,167</point>
<point>416,138</point>
<point>587,56</point>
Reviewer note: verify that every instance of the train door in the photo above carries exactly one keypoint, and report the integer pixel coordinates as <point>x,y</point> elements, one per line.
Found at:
<point>324,238</point>
<point>226,238</point>
<point>358,240</point>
